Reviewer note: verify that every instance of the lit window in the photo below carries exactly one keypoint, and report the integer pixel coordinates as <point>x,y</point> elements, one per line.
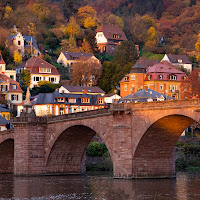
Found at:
<point>160,77</point>
<point>180,61</point>
<point>132,77</point>
<point>149,77</point>
<point>14,86</point>
<point>72,100</point>
<point>125,87</point>
<point>100,101</point>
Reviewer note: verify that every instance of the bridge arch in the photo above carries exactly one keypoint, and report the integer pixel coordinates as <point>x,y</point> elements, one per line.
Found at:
<point>7,155</point>
<point>154,154</point>
<point>66,150</point>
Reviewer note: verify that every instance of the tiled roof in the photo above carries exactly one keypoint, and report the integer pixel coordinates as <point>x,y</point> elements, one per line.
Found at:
<point>2,109</point>
<point>1,59</point>
<point>143,95</point>
<point>123,80</point>
<point>3,121</point>
<point>80,89</point>
<point>174,58</point>
<point>147,63</point>
<point>33,64</point>
<point>138,68</point>
<point>4,78</point>
<point>109,30</point>
<point>72,55</point>
<point>109,95</point>
<point>164,68</point>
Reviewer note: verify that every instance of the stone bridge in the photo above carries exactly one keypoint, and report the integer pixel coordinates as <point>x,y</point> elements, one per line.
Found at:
<point>140,138</point>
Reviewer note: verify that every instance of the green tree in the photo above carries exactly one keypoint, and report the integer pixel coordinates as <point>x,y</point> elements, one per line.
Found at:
<point>125,53</point>
<point>25,79</point>
<point>46,87</point>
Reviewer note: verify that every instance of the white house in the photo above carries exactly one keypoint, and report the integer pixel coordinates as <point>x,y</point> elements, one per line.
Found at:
<point>178,60</point>
<point>111,98</point>
<point>68,58</point>
<point>40,70</point>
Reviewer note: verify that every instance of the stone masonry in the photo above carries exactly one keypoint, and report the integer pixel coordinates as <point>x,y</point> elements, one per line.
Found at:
<point>140,138</point>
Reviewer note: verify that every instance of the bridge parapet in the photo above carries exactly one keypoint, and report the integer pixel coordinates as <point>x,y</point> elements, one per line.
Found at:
<point>29,120</point>
<point>7,132</point>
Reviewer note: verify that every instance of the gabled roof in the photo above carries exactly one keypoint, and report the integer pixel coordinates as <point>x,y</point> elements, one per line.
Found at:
<point>47,98</point>
<point>80,89</point>
<point>174,58</point>
<point>147,63</point>
<point>1,59</point>
<point>33,64</point>
<point>6,79</point>
<point>143,95</point>
<point>109,30</point>
<point>72,55</point>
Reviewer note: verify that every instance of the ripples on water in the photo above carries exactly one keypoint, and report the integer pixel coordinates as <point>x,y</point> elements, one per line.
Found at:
<point>99,187</point>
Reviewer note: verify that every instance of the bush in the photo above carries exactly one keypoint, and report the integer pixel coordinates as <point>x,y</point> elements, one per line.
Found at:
<point>96,149</point>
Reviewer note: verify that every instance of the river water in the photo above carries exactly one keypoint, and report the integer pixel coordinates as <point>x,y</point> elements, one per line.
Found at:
<point>99,187</point>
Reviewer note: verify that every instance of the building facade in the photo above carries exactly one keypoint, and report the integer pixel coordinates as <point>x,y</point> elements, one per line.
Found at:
<point>40,70</point>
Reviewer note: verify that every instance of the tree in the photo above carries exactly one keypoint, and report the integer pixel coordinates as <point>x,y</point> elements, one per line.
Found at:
<point>86,48</point>
<point>25,79</point>
<point>197,47</point>
<point>192,2</point>
<point>85,12</point>
<point>125,53</point>
<point>191,86</point>
<point>17,58</point>
<point>31,29</point>
<point>90,22</point>
<point>69,7</point>
<point>73,28</point>
<point>151,41</point>
<point>85,72</point>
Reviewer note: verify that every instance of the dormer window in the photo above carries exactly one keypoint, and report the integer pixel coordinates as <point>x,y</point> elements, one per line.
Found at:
<point>172,77</point>
<point>160,77</point>
<point>126,78</point>
<point>48,70</point>
<point>85,100</point>
<point>72,100</point>
<point>100,100</point>
<point>180,61</point>
<point>14,86</point>
<point>42,70</point>
<point>184,77</point>
<point>149,77</point>
<point>60,99</point>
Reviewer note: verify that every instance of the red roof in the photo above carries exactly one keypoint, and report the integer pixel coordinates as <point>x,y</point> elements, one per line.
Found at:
<point>33,64</point>
<point>110,30</point>
<point>6,79</point>
<point>1,59</point>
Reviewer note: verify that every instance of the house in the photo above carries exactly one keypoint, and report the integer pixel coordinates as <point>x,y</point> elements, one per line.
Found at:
<point>178,60</point>
<point>4,124</point>
<point>108,37</point>
<point>40,70</point>
<point>3,70</point>
<point>67,59</point>
<point>5,113</point>
<point>162,78</point>
<point>58,104</point>
<point>145,96</point>
<point>23,44</point>
<point>66,89</point>
<point>111,98</point>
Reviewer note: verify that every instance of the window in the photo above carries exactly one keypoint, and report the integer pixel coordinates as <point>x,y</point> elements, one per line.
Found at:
<point>42,70</point>
<point>125,87</point>
<point>100,101</point>
<point>37,78</point>
<point>43,78</point>
<point>51,79</point>
<point>14,86</point>
<point>126,78</point>
<point>19,42</point>
<point>149,77</point>
<point>104,49</point>
<point>61,99</point>
<point>172,77</point>
<point>85,100</point>
<point>48,70</point>
<point>61,111</point>
<point>180,61</point>
<point>161,87</point>
<point>132,77</point>
<point>72,100</point>
<point>170,87</point>
<point>160,77</point>
<point>14,97</point>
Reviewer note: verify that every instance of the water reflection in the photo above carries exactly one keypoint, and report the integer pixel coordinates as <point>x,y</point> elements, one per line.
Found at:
<point>99,187</point>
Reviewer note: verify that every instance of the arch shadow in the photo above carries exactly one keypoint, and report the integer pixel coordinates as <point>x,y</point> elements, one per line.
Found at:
<point>67,155</point>
<point>155,153</point>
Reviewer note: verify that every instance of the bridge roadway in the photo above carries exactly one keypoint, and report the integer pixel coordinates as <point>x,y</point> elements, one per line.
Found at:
<point>140,138</point>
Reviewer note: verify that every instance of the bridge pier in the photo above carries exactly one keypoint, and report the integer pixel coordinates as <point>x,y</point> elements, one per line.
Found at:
<point>29,148</point>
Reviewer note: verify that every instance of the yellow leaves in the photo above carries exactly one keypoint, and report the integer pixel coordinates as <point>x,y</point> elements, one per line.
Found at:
<point>151,37</point>
<point>115,20</point>
<point>31,29</point>
<point>8,11</point>
<point>85,12</point>
<point>73,28</point>
<point>197,48</point>
<point>86,48</point>
<point>90,22</point>
<point>17,57</point>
